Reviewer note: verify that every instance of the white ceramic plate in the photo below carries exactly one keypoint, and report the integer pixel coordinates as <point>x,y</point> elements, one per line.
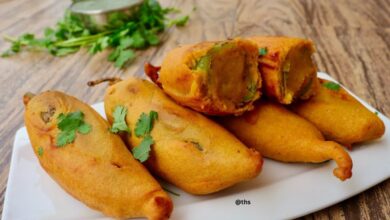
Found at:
<point>280,191</point>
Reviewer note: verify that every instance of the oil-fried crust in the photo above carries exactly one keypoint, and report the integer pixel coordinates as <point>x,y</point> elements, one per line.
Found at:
<point>340,117</point>
<point>189,150</point>
<point>194,89</point>
<point>282,135</point>
<point>97,167</point>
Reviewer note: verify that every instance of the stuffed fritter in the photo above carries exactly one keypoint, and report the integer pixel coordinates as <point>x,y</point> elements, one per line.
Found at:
<point>188,149</point>
<point>282,135</point>
<point>286,66</point>
<point>339,116</point>
<point>215,78</point>
<point>75,147</point>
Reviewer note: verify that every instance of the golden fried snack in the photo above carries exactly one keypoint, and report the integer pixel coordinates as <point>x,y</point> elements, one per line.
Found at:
<point>286,67</point>
<point>215,78</point>
<point>282,135</point>
<point>339,116</point>
<point>189,150</point>
<point>96,168</point>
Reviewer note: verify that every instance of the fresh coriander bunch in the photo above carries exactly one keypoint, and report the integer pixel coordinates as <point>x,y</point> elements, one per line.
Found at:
<point>124,33</point>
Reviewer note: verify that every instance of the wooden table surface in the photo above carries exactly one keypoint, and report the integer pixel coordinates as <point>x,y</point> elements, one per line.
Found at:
<point>352,39</point>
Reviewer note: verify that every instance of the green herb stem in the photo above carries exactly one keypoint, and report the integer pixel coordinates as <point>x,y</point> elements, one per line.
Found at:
<point>123,34</point>
<point>9,38</point>
<point>81,40</point>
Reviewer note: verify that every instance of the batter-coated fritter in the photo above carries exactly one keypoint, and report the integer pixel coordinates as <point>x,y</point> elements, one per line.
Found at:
<point>282,135</point>
<point>340,117</point>
<point>215,78</point>
<point>286,67</point>
<point>189,150</point>
<point>96,168</point>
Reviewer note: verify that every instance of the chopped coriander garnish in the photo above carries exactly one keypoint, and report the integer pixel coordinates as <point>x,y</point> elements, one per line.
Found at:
<point>376,113</point>
<point>141,152</point>
<point>40,151</point>
<point>124,33</point>
<point>170,191</point>
<point>119,120</point>
<point>65,137</point>
<point>332,86</point>
<point>142,129</point>
<point>84,128</point>
<point>69,124</point>
<point>145,124</point>
<point>263,51</point>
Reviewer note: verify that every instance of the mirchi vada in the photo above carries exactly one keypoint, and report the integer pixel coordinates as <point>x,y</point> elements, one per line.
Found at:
<point>189,150</point>
<point>93,164</point>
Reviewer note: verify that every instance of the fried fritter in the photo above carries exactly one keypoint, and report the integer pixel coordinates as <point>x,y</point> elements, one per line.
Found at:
<point>282,135</point>
<point>215,78</point>
<point>189,150</point>
<point>339,116</point>
<point>286,67</point>
<point>96,168</point>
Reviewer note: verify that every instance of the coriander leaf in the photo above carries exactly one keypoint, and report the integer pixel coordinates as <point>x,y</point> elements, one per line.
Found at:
<point>70,121</point>
<point>138,40</point>
<point>65,137</point>
<point>332,86</point>
<point>141,152</point>
<point>376,113</point>
<point>124,56</point>
<point>263,51</point>
<point>153,115</point>
<point>49,33</point>
<point>104,42</point>
<point>84,128</point>
<point>119,120</point>
<point>40,151</point>
<point>15,48</point>
<point>126,42</point>
<point>68,124</point>
<point>117,19</point>
<point>25,38</point>
<point>137,30</point>
<point>61,117</point>
<point>152,38</point>
<point>144,124</point>
<point>114,54</point>
<point>95,47</point>
<point>100,44</point>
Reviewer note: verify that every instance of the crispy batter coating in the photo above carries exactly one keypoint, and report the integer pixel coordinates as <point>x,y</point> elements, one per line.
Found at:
<point>287,69</point>
<point>340,117</point>
<point>215,78</point>
<point>282,135</point>
<point>96,168</point>
<point>189,150</point>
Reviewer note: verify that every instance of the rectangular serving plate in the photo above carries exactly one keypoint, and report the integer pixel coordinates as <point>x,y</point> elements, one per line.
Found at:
<point>282,190</point>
